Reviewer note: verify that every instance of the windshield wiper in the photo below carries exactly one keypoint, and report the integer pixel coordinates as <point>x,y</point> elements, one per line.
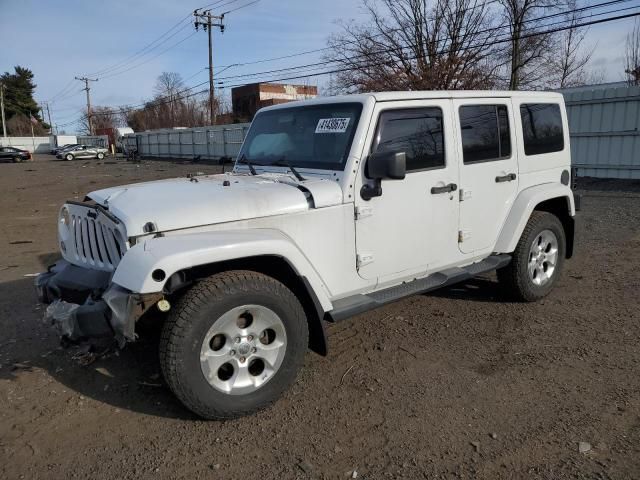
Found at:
<point>285,163</point>
<point>244,159</point>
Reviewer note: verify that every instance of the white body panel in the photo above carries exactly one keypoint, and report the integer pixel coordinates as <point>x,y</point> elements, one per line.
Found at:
<point>204,200</point>
<point>408,231</point>
<point>341,243</point>
<point>484,203</point>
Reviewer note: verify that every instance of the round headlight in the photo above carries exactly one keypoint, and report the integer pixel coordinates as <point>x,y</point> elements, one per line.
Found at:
<point>65,216</point>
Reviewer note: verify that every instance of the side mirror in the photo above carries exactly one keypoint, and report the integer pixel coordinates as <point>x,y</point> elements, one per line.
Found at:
<point>387,165</point>
<point>383,166</point>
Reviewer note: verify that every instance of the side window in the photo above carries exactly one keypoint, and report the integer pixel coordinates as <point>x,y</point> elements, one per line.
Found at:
<point>485,133</point>
<point>541,128</point>
<point>418,132</point>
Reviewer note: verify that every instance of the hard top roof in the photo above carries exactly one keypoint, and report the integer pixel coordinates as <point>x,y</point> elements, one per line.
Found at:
<point>420,95</point>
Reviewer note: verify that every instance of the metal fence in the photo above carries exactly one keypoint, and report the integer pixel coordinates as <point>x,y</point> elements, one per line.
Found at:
<point>604,126</point>
<point>94,140</point>
<point>220,141</point>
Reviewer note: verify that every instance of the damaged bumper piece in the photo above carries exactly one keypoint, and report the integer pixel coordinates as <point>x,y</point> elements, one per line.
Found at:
<point>83,303</point>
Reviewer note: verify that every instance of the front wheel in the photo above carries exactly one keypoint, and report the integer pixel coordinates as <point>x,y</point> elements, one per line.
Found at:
<point>69,157</point>
<point>100,156</point>
<point>17,159</point>
<point>537,260</point>
<point>233,344</point>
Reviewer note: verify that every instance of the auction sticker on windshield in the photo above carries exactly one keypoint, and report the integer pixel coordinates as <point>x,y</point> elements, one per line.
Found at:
<point>332,125</point>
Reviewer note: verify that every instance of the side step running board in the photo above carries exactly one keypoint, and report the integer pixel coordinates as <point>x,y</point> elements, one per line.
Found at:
<point>356,304</point>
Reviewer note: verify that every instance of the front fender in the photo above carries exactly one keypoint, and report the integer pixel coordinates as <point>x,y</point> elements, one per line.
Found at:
<point>522,208</point>
<point>178,252</point>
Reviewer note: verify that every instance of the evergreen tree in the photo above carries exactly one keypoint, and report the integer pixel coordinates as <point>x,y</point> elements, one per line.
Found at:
<point>19,90</point>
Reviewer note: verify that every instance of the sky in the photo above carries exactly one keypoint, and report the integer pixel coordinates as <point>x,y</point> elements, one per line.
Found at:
<point>60,39</point>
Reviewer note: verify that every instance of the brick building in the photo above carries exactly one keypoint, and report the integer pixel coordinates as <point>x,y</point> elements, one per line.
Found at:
<point>248,99</point>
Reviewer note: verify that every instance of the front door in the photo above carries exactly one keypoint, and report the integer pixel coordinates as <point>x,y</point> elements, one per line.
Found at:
<point>411,227</point>
<point>488,171</point>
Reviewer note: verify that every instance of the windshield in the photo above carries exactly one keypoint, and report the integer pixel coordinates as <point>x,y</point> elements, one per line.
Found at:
<point>315,136</point>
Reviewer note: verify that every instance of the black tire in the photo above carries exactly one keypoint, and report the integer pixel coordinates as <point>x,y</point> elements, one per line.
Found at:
<point>68,157</point>
<point>17,159</point>
<point>100,156</point>
<point>192,317</point>
<point>515,278</point>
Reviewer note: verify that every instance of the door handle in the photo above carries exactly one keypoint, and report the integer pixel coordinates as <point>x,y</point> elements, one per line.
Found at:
<point>509,177</point>
<point>452,187</point>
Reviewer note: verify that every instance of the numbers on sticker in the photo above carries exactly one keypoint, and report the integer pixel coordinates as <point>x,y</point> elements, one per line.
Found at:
<point>332,125</point>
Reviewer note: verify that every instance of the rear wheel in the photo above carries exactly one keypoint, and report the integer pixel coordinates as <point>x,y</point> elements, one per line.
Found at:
<point>537,260</point>
<point>233,344</point>
<point>68,156</point>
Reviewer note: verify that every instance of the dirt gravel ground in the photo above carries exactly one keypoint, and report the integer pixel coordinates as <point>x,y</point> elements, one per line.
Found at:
<point>461,383</point>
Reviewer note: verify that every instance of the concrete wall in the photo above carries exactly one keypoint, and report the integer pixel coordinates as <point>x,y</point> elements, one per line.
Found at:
<point>41,143</point>
<point>604,124</point>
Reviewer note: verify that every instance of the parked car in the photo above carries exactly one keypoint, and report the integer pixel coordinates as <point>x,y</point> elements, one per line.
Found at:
<point>83,151</point>
<point>59,149</point>
<point>335,206</point>
<point>14,154</point>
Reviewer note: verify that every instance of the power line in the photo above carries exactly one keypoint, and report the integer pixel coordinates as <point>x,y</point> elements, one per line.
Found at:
<point>489,30</point>
<point>149,59</point>
<point>147,48</point>
<point>240,7</point>
<point>70,84</point>
<point>344,69</point>
<point>316,50</point>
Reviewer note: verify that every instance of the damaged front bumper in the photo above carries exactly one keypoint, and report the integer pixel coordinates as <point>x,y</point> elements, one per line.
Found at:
<point>83,303</point>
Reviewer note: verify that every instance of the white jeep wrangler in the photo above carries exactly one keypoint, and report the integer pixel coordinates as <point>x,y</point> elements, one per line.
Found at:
<point>335,207</point>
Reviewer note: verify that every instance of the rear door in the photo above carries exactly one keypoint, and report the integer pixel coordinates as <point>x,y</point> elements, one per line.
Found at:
<point>488,170</point>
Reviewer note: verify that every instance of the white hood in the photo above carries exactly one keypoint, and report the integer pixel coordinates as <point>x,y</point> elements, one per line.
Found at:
<point>204,200</point>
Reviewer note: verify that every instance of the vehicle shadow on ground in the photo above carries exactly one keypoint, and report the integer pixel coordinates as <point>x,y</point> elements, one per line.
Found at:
<point>125,379</point>
<point>478,289</point>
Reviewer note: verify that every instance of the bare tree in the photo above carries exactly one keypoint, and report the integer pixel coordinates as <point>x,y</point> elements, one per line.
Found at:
<point>20,125</point>
<point>168,87</point>
<point>632,55</point>
<point>101,118</point>
<point>416,45</point>
<point>568,62</point>
<point>173,105</point>
<point>526,55</point>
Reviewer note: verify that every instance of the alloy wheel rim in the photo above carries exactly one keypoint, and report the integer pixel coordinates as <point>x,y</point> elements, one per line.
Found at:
<point>243,349</point>
<point>543,257</point>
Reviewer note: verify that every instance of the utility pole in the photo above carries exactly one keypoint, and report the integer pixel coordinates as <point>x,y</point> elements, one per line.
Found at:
<point>86,89</point>
<point>53,132</point>
<point>208,21</point>
<point>4,124</point>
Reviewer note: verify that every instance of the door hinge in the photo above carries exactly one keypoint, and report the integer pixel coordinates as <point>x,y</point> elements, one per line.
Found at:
<point>464,194</point>
<point>363,259</point>
<point>363,211</point>
<point>464,235</point>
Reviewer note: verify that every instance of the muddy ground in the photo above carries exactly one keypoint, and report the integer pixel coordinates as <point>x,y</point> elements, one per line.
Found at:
<point>457,384</point>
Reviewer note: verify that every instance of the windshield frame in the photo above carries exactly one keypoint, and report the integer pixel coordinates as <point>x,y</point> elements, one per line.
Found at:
<point>336,166</point>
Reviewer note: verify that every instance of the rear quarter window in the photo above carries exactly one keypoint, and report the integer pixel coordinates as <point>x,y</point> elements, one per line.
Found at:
<point>541,128</point>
